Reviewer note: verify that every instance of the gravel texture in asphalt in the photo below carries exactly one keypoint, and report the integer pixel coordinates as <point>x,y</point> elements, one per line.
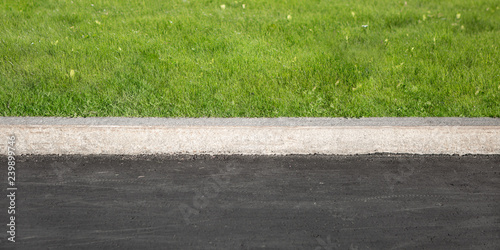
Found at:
<point>254,202</point>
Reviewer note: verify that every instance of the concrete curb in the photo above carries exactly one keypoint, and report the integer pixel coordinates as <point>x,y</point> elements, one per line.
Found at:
<point>250,136</point>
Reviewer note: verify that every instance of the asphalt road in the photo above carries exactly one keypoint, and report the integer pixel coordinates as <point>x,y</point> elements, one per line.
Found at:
<point>249,202</point>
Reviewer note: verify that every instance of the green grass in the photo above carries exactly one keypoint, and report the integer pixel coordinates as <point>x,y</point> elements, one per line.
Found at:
<point>175,58</point>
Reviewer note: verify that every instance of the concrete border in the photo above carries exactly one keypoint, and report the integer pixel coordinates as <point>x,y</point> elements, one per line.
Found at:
<point>250,136</point>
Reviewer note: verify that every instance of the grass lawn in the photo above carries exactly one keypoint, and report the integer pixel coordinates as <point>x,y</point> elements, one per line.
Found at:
<point>252,58</point>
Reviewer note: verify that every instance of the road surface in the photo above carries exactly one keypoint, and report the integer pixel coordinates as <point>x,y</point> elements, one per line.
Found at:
<point>254,202</point>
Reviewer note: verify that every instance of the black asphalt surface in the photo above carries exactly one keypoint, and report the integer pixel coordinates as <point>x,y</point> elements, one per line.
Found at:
<point>254,202</point>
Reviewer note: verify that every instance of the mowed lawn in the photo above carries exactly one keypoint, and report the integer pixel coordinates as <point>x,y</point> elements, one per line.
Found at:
<point>255,58</point>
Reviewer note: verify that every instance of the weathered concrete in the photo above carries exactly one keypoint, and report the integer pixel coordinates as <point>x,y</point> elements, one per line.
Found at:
<point>263,136</point>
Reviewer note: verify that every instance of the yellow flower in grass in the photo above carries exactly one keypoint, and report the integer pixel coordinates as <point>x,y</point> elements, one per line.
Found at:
<point>223,6</point>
